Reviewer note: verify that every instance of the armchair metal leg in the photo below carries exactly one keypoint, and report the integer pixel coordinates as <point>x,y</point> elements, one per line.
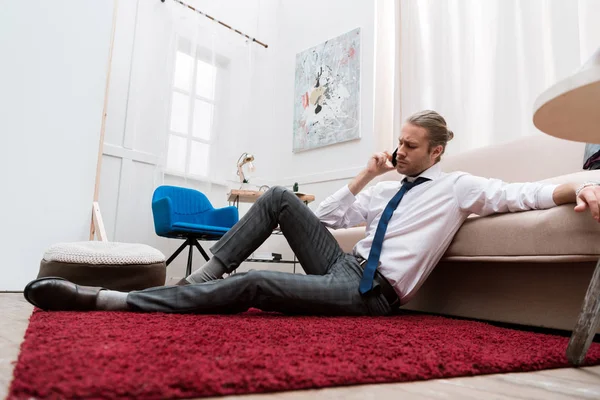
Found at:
<point>200,249</point>
<point>188,270</point>
<point>587,324</point>
<point>189,242</point>
<point>179,250</point>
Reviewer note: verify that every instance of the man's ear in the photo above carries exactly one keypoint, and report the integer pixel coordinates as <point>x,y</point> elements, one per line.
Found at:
<point>437,151</point>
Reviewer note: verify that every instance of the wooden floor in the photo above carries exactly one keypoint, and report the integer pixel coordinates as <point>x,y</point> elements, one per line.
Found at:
<point>569,383</point>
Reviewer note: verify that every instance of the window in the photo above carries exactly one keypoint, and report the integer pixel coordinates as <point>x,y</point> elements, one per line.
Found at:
<point>191,125</point>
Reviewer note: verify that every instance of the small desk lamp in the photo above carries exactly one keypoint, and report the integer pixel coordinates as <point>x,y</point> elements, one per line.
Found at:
<point>571,110</point>
<point>245,158</point>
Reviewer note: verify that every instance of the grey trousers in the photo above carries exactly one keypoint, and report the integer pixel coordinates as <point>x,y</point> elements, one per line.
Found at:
<point>330,286</point>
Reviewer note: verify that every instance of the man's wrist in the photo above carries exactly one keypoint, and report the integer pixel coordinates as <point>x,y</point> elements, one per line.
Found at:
<point>360,181</point>
<point>366,174</point>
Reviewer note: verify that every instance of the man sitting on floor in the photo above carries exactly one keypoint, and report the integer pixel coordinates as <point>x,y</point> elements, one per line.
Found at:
<point>410,224</point>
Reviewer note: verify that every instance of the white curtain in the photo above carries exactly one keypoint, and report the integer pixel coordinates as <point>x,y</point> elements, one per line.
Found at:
<point>482,64</point>
<point>191,85</point>
<point>387,83</point>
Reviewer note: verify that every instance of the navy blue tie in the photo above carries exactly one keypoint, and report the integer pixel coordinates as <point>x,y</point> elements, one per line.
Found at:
<point>366,283</point>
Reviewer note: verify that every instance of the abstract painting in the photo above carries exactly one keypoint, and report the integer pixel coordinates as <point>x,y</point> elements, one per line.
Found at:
<point>327,93</point>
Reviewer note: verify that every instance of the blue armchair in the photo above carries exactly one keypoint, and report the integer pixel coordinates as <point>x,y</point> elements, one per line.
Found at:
<point>188,214</point>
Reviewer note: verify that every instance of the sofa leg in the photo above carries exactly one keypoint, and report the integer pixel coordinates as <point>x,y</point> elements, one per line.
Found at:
<point>587,324</point>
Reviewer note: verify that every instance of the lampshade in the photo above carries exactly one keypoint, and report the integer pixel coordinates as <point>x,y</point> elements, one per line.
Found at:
<point>571,108</point>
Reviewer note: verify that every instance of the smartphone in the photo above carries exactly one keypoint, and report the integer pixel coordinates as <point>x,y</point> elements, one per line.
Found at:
<point>394,157</point>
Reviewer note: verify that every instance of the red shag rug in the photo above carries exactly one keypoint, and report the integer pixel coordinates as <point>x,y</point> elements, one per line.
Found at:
<point>157,356</point>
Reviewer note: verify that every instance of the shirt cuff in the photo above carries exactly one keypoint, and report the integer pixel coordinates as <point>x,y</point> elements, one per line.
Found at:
<point>544,199</point>
<point>344,196</point>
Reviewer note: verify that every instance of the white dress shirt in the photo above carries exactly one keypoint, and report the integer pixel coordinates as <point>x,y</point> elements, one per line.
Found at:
<point>426,219</point>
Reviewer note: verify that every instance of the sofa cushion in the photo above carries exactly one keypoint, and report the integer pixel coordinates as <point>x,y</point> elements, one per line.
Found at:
<point>527,159</point>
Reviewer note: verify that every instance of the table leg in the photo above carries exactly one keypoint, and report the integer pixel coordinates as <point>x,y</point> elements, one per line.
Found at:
<point>587,324</point>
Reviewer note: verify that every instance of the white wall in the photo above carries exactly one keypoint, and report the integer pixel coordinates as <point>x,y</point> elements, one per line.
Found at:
<point>302,26</point>
<point>52,81</point>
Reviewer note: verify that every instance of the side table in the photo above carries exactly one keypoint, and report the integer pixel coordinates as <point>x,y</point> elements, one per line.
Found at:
<point>569,110</point>
<point>237,196</point>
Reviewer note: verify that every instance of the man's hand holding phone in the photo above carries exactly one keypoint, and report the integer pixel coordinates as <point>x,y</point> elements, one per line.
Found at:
<point>380,163</point>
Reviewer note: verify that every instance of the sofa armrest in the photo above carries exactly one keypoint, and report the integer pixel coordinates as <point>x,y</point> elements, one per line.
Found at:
<point>348,237</point>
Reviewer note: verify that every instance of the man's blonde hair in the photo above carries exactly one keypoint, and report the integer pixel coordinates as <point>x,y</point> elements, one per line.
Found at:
<point>435,125</point>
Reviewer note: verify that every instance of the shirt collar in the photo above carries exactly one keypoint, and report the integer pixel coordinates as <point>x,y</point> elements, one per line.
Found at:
<point>431,173</point>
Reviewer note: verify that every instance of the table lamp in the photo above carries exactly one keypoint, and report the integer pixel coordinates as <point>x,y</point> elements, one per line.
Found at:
<point>571,110</point>
<point>245,158</point>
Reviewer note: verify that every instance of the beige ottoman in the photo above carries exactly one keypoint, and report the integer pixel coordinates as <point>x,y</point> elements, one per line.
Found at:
<point>112,265</point>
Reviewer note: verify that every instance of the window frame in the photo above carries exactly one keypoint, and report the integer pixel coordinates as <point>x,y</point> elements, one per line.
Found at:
<point>220,64</point>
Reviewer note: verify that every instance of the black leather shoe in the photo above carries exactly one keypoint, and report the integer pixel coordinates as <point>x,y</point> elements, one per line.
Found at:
<point>58,294</point>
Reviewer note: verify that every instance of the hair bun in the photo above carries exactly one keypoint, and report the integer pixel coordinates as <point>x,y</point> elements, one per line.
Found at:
<point>450,134</point>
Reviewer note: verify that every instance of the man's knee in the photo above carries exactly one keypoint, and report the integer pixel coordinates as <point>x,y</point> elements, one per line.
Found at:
<point>276,191</point>
<point>255,282</point>
<point>280,192</point>
<point>279,195</point>
<point>253,278</point>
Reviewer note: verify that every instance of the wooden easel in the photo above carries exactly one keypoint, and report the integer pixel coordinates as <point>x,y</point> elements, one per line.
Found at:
<point>96,224</point>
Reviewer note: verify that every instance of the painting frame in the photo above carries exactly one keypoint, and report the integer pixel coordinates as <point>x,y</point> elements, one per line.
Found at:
<point>327,91</point>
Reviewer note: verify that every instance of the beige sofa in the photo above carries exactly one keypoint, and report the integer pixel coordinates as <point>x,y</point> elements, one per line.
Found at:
<point>530,268</point>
